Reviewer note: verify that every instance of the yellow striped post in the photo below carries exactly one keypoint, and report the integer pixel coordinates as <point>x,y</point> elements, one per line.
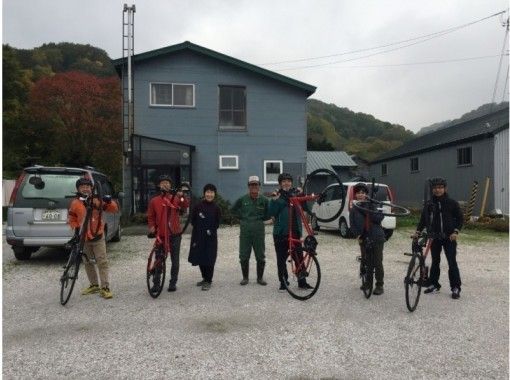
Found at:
<point>472,201</point>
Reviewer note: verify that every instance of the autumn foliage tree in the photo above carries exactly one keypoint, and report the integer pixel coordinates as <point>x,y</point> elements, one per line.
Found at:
<point>75,120</point>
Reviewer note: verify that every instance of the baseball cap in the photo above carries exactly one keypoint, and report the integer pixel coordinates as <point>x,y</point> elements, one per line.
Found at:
<point>253,179</point>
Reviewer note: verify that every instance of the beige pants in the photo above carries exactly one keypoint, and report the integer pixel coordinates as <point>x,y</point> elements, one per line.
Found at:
<point>96,250</point>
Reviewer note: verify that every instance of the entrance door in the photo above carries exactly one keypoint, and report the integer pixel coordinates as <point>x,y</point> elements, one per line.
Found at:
<point>147,177</point>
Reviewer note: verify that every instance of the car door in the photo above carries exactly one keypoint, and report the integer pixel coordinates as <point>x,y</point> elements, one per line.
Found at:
<point>330,206</point>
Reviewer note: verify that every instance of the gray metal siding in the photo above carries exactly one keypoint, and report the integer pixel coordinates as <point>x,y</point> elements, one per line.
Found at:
<point>409,187</point>
<point>501,171</point>
<point>276,119</point>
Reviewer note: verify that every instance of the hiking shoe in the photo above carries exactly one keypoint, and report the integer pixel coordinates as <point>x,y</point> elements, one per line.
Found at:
<point>105,293</point>
<point>200,283</point>
<point>455,293</point>
<point>378,290</point>
<point>261,281</point>
<point>305,286</point>
<point>91,289</point>
<point>206,285</point>
<point>244,281</point>
<point>432,289</point>
<point>282,286</point>
<point>172,287</point>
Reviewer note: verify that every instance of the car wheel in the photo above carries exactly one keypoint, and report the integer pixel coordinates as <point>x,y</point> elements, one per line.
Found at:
<point>117,235</point>
<point>387,233</point>
<point>345,232</point>
<point>315,223</point>
<point>22,253</point>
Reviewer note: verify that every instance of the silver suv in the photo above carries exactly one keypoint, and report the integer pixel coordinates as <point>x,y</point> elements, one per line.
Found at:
<point>37,213</point>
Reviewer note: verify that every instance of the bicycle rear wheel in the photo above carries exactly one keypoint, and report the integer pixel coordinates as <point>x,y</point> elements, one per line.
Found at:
<point>366,273</point>
<point>156,270</point>
<point>385,208</point>
<point>304,275</point>
<point>318,182</point>
<point>413,282</point>
<point>68,278</point>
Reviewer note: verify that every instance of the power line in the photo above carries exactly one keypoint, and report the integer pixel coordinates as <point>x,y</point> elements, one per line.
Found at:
<point>425,38</point>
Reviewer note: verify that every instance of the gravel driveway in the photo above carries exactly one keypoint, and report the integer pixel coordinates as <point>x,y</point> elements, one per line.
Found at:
<point>256,332</point>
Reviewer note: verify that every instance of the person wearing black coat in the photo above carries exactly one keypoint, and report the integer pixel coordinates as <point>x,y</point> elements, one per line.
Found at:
<point>366,226</point>
<point>443,219</point>
<point>205,219</point>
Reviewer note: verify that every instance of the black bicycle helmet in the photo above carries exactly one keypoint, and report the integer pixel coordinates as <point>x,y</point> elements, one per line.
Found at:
<point>83,181</point>
<point>360,186</point>
<point>163,177</point>
<point>437,181</point>
<point>283,176</point>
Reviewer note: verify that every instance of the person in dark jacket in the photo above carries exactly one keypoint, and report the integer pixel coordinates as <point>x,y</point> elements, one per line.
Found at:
<point>443,219</point>
<point>366,226</point>
<point>205,219</point>
<point>279,210</point>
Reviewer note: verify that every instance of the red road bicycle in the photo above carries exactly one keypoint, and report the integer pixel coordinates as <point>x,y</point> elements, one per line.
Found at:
<point>302,263</point>
<point>156,263</point>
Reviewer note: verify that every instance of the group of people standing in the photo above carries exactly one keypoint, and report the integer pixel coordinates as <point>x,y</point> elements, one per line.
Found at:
<point>441,215</point>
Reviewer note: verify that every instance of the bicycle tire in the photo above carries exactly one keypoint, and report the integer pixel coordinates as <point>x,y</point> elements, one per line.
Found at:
<point>156,271</point>
<point>413,281</point>
<point>364,206</point>
<point>70,275</point>
<point>185,215</point>
<point>307,191</point>
<point>312,277</point>
<point>367,278</point>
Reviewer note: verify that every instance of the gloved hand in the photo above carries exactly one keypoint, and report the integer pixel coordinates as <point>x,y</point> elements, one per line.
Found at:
<point>107,199</point>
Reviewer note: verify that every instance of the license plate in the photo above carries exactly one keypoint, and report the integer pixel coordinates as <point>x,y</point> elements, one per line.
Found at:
<point>51,215</point>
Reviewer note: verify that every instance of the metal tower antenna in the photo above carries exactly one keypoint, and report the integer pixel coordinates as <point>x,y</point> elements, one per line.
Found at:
<point>506,24</point>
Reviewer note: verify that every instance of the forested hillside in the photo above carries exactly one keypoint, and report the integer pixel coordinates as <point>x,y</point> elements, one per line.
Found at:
<point>333,128</point>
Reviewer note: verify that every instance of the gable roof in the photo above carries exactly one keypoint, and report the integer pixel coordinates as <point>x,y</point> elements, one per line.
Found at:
<point>475,129</point>
<point>186,45</point>
<point>327,160</point>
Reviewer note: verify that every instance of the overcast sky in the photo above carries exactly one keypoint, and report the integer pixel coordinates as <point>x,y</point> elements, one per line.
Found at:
<point>398,86</point>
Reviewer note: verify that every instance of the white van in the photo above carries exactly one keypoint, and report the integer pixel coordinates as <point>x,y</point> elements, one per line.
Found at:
<point>331,204</point>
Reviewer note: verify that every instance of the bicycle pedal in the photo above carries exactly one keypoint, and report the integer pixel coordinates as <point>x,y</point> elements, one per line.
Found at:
<point>358,258</point>
<point>407,254</point>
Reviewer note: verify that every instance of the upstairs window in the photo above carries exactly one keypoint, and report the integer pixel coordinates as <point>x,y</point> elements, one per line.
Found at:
<point>232,108</point>
<point>384,169</point>
<point>464,156</point>
<point>172,95</point>
<point>414,164</point>
<point>229,162</point>
<point>272,169</point>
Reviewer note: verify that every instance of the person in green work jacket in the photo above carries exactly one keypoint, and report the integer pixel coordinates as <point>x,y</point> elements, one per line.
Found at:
<point>252,210</point>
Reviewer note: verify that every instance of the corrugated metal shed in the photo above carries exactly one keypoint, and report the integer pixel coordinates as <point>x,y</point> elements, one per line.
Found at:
<point>470,130</point>
<point>501,171</point>
<point>328,160</point>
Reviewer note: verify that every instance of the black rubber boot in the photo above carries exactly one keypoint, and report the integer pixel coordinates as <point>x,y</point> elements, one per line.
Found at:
<point>245,268</point>
<point>260,273</point>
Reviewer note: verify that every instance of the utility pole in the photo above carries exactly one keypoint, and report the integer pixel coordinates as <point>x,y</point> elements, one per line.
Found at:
<point>505,24</point>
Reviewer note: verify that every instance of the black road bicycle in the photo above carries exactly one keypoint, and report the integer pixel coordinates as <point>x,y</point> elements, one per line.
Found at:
<point>417,271</point>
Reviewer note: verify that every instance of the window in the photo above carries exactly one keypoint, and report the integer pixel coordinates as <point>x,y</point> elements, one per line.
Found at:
<point>172,95</point>
<point>464,156</point>
<point>229,162</point>
<point>272,169</point>
<point>415,164</point>
<point>384,169</point>
<point>232,108</point>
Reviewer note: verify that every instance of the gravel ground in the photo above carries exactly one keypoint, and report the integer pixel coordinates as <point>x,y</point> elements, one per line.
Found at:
<point>235,332</point>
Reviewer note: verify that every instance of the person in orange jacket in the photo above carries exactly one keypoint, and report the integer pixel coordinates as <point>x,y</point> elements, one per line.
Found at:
<point>95,243</point>
<point>174,201</point>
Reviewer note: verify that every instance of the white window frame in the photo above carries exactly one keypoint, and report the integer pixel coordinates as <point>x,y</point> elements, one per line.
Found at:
<point>173,97</point>
<point>225,167</point>
<point>266,182</point>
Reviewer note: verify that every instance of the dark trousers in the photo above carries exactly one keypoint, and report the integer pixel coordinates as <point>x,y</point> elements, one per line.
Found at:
<point>281,246</point>
<point>450,250</point>
<point>175,244</point>
<point>375,258</point>
<point>207,272</point>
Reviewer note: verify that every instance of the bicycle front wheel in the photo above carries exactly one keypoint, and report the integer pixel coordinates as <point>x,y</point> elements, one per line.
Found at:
<point>413,282</point>
<point>366,273</point>
<point>70,275</point>
<point>304,275</point>
<point>156,269</point>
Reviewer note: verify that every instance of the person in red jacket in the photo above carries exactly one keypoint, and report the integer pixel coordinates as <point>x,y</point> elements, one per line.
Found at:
<point>174,201</point>
<point>95,243</point>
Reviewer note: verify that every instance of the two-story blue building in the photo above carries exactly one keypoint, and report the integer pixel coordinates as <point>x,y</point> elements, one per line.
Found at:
<point>203,116</point>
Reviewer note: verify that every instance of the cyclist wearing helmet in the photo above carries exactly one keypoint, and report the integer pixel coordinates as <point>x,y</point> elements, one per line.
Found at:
<point>443,219</point>
<point>155,220</point>
<point>279,210</point>
<point>95,244</point>
<point>367,228</point>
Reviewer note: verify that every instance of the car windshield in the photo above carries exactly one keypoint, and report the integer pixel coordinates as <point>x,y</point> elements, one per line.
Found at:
<point>49,186</point>
<point>382,193</point>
